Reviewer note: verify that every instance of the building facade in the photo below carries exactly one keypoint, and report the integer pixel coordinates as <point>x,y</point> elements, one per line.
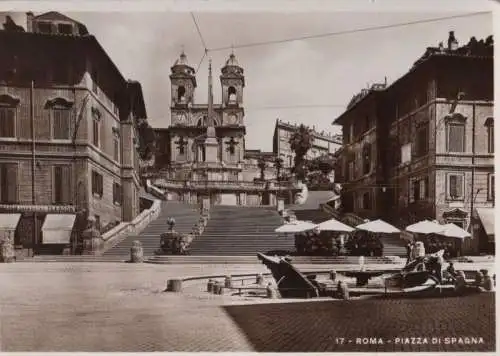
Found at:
<point>323,144</point>
<point>68,137</point>
<point>433,135</point>
<point>201,155</point>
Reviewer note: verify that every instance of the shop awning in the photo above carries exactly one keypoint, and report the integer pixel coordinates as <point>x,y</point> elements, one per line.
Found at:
<point>295,226</point>
<point>378,226</point>
<point>8,222</point>
<point>452,230</point>
<point>57,228</point>
<point>425,227</point>
<point>487,217</point>
<point>334,225</point>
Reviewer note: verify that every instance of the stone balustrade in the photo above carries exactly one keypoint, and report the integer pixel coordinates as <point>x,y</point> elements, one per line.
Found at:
<point>124,229</point>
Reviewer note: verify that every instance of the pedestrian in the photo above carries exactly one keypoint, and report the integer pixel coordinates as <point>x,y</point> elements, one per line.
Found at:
<point>408,252</point>
<point>451,270</point>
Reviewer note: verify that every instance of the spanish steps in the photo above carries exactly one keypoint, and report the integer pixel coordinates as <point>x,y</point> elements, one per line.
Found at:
<point>185,216</point>
<point>241,231</point>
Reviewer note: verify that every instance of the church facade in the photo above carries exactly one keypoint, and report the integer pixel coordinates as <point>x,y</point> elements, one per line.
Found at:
<point>202,154</point>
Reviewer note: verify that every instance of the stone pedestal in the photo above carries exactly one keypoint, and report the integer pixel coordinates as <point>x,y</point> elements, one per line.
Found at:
<point>91,238</point>
<point>7,253</point>
<point>136,253</point>
<point>174,285</point>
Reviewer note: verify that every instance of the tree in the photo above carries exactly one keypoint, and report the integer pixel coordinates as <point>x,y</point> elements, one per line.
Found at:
<point>262,164</point>
<point>147,140</point>
<point>278,164</point>
<point>300,142</point>
<point>326,164</point>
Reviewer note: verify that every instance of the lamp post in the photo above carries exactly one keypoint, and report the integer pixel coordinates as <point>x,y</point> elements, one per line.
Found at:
<point>33,165</point>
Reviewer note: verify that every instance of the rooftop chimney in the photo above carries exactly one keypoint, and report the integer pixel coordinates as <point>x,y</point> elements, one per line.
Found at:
<point>29,21</point>
<point>452,41</point>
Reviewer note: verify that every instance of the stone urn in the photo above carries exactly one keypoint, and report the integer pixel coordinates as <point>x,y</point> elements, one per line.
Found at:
<point>91,237</point>
<point>136,252</point>
<point>7,250</point>
<point>171,223</point>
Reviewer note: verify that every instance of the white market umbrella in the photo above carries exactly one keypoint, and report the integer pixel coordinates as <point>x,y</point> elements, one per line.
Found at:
<point>334,225</point>
<point>425,227</point>
<point>295,226</point>
<point>379,227</point>
<point>452,230</point>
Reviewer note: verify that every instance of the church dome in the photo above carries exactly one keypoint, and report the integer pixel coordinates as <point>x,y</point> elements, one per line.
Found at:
<point>182,60</point>
<point>181,66</point>
<point>232,67</point>
<point>232,61</point>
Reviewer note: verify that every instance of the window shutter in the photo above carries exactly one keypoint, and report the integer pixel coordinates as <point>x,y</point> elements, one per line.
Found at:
<point>422,189</point>
<point>3,183</point>
<point>66,186</point>
<point>456,138</point>
<point>492,186</point>
<point>12,182</point>
<point>460,185</point>
<point>453,186</point>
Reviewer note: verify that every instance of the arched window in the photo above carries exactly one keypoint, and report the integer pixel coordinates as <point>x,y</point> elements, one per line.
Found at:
<point>231,93</point>
<point>455,133</point>
<point>202,121</point>
<point>181,92</point>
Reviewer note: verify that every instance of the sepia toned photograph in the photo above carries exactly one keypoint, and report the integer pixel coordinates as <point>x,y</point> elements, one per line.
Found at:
<point>247,178</point>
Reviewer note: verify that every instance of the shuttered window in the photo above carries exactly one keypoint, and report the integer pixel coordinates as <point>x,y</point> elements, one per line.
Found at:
<point>97,184</point>
<point>7,122</point>
<point>62,184</point>
<point>8,183</point>
<point>61,124</point>
<point>491,187</point>
<point>455,186</point>
<point>95,132</point>
<point>422,144</point>
<point>116,149</point>
<point>117,193</point>
<point>455,137</point>
<point>367,201</point>
<point>367,159</point>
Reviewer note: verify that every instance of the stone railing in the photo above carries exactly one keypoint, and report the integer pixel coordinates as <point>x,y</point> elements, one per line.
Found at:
<point>122,230</point>
<point>220,184</point>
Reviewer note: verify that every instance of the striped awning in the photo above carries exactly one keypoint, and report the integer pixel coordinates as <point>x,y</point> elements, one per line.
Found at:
<point>487,217</point>
<point>8,222</point>
<point>57,228</point>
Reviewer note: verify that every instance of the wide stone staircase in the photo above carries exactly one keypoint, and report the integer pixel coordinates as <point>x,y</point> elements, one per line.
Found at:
<point>185,215</point>
<point>241,231</point>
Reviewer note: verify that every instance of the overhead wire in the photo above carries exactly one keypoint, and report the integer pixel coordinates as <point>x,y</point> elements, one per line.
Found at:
<point>322,35</point>
<point>205,49</point>
<point>345,32</point>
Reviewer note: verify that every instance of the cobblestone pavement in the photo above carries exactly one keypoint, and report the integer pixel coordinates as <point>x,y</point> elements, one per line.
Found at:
<point>122,307</point>
<point>371,325</point>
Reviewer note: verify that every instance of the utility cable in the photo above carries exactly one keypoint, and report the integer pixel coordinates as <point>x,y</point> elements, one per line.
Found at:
<point>199,32</point>
<point>345,32</point>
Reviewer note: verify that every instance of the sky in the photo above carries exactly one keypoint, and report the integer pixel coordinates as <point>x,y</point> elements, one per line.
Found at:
<point>322,74</point>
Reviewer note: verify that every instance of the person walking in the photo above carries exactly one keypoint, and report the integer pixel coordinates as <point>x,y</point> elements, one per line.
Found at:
<point>409,248</point>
